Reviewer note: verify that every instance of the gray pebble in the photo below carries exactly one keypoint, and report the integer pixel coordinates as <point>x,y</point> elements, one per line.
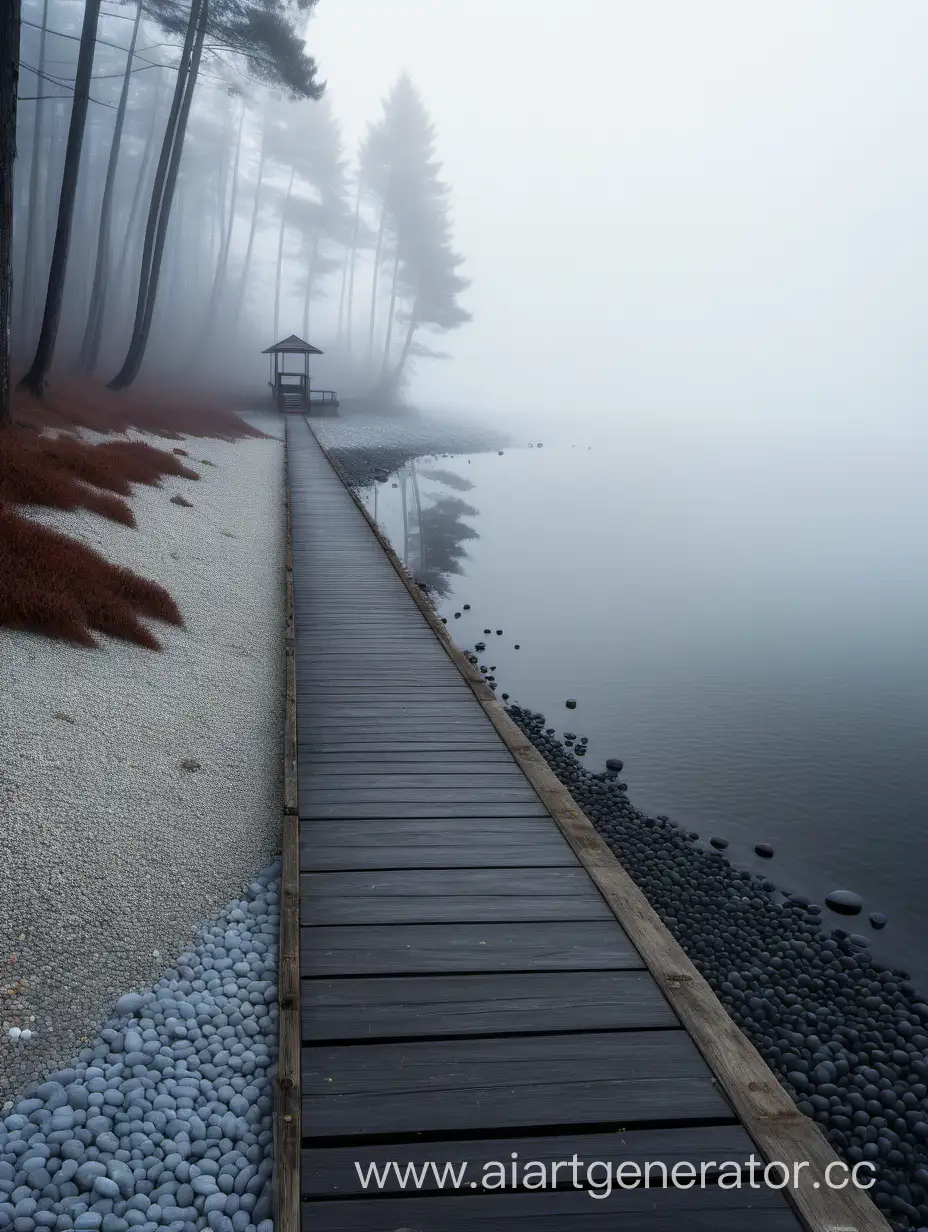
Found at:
<point>125,1130</point>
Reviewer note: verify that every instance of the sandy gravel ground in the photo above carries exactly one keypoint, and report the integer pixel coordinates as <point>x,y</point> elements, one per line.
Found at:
<point>112,850</point>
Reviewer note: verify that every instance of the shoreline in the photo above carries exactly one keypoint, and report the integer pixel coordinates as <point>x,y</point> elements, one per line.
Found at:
<point>368,449</point>
<point>847,1036</point>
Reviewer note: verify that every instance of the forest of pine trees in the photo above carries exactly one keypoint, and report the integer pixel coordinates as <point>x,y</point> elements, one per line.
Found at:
<point>175,195</point>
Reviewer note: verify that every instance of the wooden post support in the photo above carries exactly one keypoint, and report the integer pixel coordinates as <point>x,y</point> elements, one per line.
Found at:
<point>781,1132</point>
<point>287,1131</point>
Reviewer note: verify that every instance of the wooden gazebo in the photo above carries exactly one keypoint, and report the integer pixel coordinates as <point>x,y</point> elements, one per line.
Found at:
<point>292,390</point>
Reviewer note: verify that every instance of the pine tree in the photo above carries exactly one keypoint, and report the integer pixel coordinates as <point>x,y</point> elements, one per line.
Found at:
<point>93,334</point>
<point>403,176</point>
<point>261,31</point>
<point>36,377</point>
<point>9,80</point>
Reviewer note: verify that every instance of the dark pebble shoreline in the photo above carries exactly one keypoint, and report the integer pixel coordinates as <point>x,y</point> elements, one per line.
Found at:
<point>846,1035</point>
<point>369,451</point>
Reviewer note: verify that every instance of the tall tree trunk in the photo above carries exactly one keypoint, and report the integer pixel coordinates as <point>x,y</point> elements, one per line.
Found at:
<point>57,139</point>
<point>9,81</point>
<point>162,198</point>
<point>93,334</point>
<point>280,251</point>
<point>396,375</point>
<point>246,265</point>
<point>351,268</point>
<point>140,183</point>
<point>31,205</point>
<point>377,256</point>
<point>308,293</point>
<point>339,328</point>
<point>218,220</point>
<point>222,264</point>
<point>396,278</point>
<point>36,377</point>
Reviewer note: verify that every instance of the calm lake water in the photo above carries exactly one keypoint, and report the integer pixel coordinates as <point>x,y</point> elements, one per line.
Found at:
<point>743,618</point>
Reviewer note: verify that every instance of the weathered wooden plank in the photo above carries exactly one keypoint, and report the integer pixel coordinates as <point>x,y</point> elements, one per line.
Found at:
<point>510,1082</point>
<point>419,775</point>
<point>635,1210</point>
<point>424,855</point>
<point>416,748</point>
<point>399,720</point>
<point>448,832</point>
<point>389,744</point>
<point>450,883</point>
<point>410,708</point>
<point>433,843</point>
<point>338,765</point>
<point>332,1171</point>
<point>426,909</point>
<point>404,808</point>
<point>410,729</point>
<point>316,795</point>
<point>361,694</point>
<point>495,1004</point>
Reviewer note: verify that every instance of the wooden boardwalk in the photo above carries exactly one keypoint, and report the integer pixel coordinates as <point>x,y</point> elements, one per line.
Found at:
<point>467,994</point>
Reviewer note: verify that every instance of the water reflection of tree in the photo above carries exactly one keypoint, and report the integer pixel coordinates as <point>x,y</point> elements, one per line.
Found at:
<point>434,531</point>
<point>449,479</point>
<point>443,533</point>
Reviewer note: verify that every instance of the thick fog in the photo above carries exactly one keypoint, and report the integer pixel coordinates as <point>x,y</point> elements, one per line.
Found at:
<point>711,210</point>
<point>694,214</point>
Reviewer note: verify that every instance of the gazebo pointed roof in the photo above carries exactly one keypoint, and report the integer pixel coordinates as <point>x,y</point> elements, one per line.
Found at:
<point>292,346</point>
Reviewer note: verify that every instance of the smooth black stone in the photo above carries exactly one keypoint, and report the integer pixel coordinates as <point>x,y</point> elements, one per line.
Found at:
<point>764,850</point>
<point>844,902</point>
<point>571,703</point>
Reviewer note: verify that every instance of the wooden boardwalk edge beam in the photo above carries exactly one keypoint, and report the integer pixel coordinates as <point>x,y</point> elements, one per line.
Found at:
<point>781,1132</point>
<point>287,1104</point>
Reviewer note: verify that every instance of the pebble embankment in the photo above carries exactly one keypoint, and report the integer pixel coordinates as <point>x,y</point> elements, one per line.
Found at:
<point>164,1123</point>
<point>368,449</point>
<point>846,1035</point>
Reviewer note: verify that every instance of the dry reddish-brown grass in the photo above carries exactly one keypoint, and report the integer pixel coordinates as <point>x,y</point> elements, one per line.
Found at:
<point>66,472</point>
<point>51,584</point>
<point>76,402</point>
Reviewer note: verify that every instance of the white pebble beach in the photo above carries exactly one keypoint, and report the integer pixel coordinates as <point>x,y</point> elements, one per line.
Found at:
<point>113,851</point>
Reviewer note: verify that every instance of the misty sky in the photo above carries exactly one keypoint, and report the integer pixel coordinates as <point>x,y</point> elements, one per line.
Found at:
<point>708,209</point>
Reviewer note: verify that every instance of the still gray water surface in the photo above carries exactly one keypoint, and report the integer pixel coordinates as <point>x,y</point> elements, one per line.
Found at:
<point>743,621</point>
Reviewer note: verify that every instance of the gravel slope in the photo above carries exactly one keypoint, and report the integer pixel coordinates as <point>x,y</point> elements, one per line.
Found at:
<point>113,851</point>
<point>165,1121</point>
